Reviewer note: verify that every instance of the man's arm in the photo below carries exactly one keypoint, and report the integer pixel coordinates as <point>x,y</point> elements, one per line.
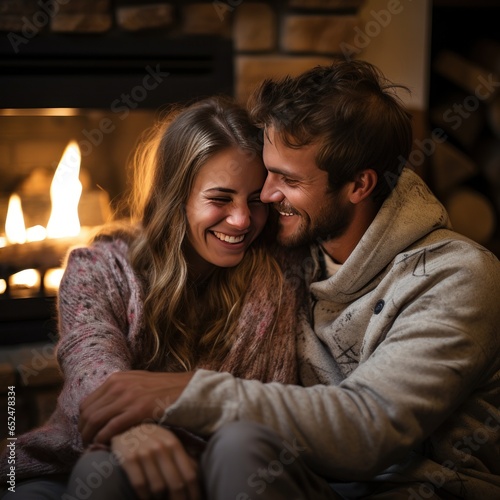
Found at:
<point>348,432</point>
<point>127,399</point>
<point>418,376</point>
<point>388,405</point>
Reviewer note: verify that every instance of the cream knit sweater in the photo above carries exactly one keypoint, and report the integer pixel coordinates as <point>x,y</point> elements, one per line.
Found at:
<point>100,326</point>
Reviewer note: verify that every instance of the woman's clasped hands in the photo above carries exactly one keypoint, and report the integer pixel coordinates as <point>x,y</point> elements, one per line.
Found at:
<point>156,463</point>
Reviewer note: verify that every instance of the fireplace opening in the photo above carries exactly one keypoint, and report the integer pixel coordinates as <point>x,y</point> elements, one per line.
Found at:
<point>102,93</point>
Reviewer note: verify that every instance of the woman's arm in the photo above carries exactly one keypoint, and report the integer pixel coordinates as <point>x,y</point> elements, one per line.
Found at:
<point>99,323</point>
<point>99,316</point>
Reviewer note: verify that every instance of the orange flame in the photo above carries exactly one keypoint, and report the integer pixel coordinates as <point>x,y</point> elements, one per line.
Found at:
<point>65,192</point>
<point>15,230</point>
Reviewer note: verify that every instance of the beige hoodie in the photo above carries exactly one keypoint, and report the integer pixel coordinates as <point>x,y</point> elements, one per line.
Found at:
<point>401,359</point>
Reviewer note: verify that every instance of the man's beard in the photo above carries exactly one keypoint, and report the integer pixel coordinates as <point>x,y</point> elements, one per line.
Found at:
<point>333,221</point>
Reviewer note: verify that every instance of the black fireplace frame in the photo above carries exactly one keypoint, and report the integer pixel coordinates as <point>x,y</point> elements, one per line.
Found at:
<point>83,71</point>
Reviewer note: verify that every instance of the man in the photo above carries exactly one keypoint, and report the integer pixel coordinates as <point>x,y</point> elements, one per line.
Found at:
<point>400,355</point>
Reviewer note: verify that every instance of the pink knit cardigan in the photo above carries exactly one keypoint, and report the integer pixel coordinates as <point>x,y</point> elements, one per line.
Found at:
<point>100,318</point>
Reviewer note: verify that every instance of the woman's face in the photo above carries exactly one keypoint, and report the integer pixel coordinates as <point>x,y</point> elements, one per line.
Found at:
<point>224,210</point>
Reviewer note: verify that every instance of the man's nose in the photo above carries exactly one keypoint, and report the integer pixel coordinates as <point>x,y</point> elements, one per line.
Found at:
<point>270,192</point>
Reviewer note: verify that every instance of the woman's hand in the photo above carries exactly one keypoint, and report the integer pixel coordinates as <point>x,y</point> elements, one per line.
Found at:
<point>156,463</point>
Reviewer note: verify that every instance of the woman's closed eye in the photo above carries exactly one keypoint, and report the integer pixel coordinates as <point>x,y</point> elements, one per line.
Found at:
<point>220,199</point>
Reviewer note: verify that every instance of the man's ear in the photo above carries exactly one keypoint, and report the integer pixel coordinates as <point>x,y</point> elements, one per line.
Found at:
<point>363,185</point>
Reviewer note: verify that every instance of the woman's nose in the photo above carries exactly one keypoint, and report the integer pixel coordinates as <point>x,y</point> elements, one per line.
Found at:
<point>239,216</point>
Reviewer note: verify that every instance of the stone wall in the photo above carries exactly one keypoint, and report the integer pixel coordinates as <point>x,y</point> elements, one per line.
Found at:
<point>270,38</point>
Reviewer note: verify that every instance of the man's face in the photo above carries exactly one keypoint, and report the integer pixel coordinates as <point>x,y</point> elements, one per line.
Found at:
<point>298,190</point>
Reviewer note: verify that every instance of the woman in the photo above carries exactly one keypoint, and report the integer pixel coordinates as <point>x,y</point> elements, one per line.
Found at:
<point>189,283</point>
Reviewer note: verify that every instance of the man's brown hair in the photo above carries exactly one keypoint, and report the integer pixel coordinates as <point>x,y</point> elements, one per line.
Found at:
<point>350,110</point>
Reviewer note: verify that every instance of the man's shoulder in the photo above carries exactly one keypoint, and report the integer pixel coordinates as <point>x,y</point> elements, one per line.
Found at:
<point>450,253</point>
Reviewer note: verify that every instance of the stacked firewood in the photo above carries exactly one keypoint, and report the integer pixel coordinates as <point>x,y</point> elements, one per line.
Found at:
<point>465,164</point>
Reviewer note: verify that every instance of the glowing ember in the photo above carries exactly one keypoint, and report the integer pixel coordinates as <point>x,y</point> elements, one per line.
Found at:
<point>28,278</point>
<point>15,230</point>
<point>65,192</point>
<point>52,279</point>
<point>36,233</point>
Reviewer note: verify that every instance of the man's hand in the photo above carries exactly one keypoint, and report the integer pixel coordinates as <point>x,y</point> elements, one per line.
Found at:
<point>156,463</point>
<point>127,399</point>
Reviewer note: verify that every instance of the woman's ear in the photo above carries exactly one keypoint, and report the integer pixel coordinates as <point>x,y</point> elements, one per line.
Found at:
<point>363,185</point>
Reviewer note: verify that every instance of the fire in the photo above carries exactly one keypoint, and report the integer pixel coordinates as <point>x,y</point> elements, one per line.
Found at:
<point>65,192</point>
<point>15,230</point>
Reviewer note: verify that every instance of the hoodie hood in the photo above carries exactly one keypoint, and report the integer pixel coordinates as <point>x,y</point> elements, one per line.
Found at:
<point>409,213</point>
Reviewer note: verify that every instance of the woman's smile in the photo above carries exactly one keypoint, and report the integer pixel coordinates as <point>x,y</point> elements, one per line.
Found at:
<point>224,210</point>
<point>228,238</point>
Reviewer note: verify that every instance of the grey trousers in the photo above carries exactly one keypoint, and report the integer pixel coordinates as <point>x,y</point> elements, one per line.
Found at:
<point>243,461</point>
<point>96,475</point>
<point>247,461</point>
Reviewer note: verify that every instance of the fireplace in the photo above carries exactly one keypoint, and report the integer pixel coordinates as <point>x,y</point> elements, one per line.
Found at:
<point>101,92</point>
<point>63,79</point>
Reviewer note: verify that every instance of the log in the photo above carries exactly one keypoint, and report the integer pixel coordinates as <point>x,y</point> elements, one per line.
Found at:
<point>463,73</point>
<point>494,116</point>
<point>461,121</point>
<point>40,255</point>
<point>472,214</point>
<point>450,168</point>
<point>477,76</point>
<point>488,160</point>
<point>486,53</point>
